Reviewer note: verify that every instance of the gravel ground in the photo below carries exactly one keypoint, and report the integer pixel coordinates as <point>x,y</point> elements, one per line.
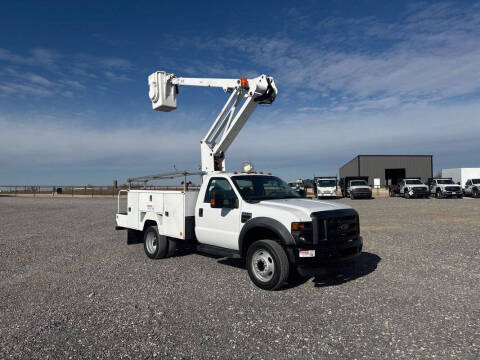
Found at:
<point>70,287</point>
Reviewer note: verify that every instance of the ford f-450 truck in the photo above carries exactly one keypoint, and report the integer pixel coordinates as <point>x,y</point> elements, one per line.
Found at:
<point>252,216</point>
<point>242,215</point>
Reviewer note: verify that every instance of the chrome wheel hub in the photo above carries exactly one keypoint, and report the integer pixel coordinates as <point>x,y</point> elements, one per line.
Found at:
<point>263,265</point>
<point>151,242</point>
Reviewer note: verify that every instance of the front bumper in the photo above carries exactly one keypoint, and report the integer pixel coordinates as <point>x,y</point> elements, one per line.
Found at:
<point>329,194</point>
<point>451,193</point>
<point>362,194</point>
<point>416,192</point>
<point>327,256</point>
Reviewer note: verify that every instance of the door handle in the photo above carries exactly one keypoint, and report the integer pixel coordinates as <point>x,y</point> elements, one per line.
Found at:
<point>200,212</point>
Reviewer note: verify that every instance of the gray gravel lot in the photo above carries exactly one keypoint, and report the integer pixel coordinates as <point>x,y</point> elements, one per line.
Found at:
<point>70,287</point>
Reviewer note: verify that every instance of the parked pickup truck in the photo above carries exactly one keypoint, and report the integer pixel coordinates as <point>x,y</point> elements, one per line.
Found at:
<point>253,216</point>
<point>472,188</point>
<point>444,187</point>
<point>410,188</point>
<point>356,187</point>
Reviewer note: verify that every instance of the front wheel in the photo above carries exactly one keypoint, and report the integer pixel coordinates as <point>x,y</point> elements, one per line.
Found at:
<point>406,194</point>
<point>352,196</point>
<point>438,194</point>
<point>475,193</point>
<point>267,264</point>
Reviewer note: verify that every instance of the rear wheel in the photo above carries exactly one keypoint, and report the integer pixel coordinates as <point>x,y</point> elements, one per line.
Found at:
<point>154,244</point>
<point>267,264</point>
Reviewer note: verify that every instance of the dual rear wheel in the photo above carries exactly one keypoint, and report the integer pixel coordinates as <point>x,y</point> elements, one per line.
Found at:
<point>157,246</point>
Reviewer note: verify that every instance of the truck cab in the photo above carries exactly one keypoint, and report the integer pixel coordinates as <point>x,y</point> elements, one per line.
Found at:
<point>413,188</point>
<point>472,188</point>
<point>325,187</point>
<point>253,216</point>
<point>444,187</point>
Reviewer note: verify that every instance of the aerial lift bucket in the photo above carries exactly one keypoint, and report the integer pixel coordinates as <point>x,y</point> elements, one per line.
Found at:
<point>162,92</point>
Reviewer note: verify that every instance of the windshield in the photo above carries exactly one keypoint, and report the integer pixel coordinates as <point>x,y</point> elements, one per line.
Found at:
<point>327,183</point>
<point>358,183</point>
<point>476,181</point>
<point>256,188</point>
<point>413,182</point>
<point>445,181</point>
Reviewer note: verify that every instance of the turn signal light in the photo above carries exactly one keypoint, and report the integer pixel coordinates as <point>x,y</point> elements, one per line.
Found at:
<point>300,226</point>
<point>212,202</point>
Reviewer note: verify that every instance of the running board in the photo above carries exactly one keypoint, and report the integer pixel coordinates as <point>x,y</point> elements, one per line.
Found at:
<point>218,251</point>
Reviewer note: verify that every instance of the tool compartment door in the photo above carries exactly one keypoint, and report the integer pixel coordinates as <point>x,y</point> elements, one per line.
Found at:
<point>132,210</point>
<point>174,215</point>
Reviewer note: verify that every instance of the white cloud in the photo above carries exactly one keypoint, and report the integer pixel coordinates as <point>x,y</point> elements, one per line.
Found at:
<point>273,141</point>
<point>432,55</point>
<point>47,73</point>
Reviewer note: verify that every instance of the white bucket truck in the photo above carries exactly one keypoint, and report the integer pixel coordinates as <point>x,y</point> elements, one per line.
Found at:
<point>247,215</point>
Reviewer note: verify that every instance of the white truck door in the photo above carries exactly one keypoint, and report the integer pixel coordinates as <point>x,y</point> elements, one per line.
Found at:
<point>218,226</point>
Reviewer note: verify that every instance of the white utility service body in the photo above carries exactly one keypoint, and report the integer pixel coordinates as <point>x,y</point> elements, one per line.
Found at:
<point>170,210</point>
<point>242,215</point>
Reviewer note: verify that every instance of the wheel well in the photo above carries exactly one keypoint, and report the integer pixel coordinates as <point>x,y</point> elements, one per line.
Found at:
<point>255,234</point>
<point>149,223</point>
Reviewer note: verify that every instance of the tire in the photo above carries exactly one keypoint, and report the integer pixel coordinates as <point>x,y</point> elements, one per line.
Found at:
<point>154,244</point>
<point>267,264</point>
<point>438,194</point>
<point>460,196</point>
<point>475,193</point>
<point>406,195</point>
<point>352,196</point>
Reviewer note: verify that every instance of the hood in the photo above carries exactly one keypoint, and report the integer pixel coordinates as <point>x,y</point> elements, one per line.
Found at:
<point>302,207</point>
<point>415,185</point>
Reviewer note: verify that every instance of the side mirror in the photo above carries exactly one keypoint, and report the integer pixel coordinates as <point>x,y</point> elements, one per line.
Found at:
<point>216,199</point>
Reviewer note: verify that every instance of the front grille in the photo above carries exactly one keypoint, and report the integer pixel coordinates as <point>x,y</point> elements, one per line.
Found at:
<point>420,190</point>
<point>335,226</point>
<point>451,188</point>
<point>361,190</point>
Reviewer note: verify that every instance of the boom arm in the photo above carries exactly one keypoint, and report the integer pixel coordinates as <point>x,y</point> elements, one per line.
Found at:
<point>246,94</point>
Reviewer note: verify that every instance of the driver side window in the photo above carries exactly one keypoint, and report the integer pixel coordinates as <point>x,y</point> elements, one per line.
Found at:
<point>220,184</point>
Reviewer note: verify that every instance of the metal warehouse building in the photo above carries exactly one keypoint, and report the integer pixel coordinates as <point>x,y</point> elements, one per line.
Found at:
<point>389,168</point>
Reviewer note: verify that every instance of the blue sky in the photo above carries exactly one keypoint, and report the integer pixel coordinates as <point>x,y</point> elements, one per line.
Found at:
<point>354,77</point>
